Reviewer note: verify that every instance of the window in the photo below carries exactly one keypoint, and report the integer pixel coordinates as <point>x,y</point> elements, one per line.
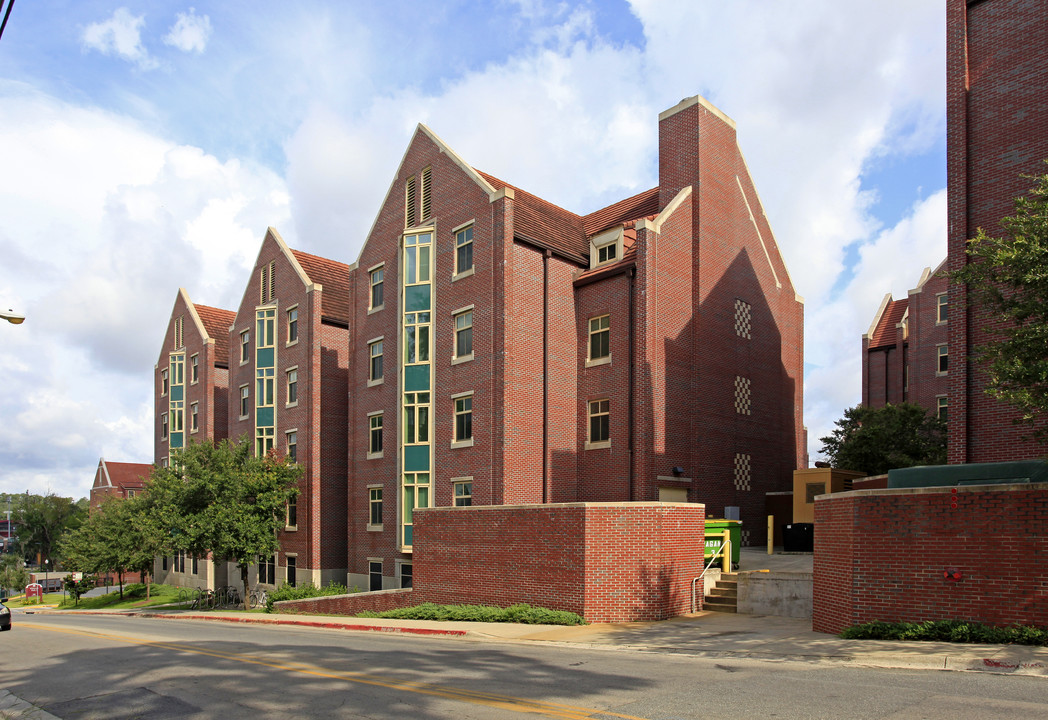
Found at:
<point>375,366</point>
<point>377,297</point>
<point>245,346</point>
<point>245,401</point>
<point>464,250</point>
<point>464,419</point>
<point>163,563</point>
<point>464,334</point>
<point>464,493</point>
<point>606,253</point>
<point>416,418</point>
<point>194,413</point>
<point>267,570</point>
<point>942,404</point>
<point>196,568</point>
<point>194,369</point>
<point>292,570</point>
<point>417,249</point>
<point>179,324</point>
<point>130,493</point>
<point>292,446</point>
<point>375,435</point>
<point>292,326</point>
<point>375,507</point>
<point>292,513</point>
<point>266,283</point>
<point>599,414</point>
<point>405,575</point>
<point>416,338</point>
<point>944,359</point>
<point>163,425</point>
<point>409,202</point>
<point>165,382</point>
<point>600,338</point>
<point>942,306</point>
<point>374,575</point>
<point>292,386</point>
<point>427,194</point>
<point>180,561</point>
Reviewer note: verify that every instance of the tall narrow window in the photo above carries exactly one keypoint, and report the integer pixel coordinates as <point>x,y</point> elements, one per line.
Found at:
<point>464,250</point>
<point>164,382</point>
<point>464,334</point>
<point>292,325</point>
<point>375,434</point>
<point>374,575</point>
<point>464,418</point>
<point>600,337</point>
<point>194,413</point>
<point>427,193</point>
<point>942,405</point>
<point>163,425</point>
<point>416,418</point>
<point>292,387</point>
<point>179,325</point>
<point>409,202</point>
<point>416,338</point>
<point>406,573</point>
<point>267,570</point>
<point>245,401</point>
<point>266,283</point>
<point>194,369</point>
<point>265,380</point>
<point>375,507</point>
<point>245,346</point>
<point>292,570</point>
<point>416,258</point>
<point>292,446</point>
<point>942,302</point>
<point>292,512</point>
<point>375,366</point>
<point>599,426</point>
<point>377,296</point>
<point>943,353</point>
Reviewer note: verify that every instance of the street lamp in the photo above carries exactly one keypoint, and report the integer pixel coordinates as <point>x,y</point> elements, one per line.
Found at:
<point>12,317</point>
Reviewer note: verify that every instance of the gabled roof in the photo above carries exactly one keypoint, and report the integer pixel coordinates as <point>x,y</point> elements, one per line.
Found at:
<point>216,322</point>
<point>333,277</point>
<point>645,204</point>
<point>883,331</point>
<point>541,221</point>
<point>124,475</point>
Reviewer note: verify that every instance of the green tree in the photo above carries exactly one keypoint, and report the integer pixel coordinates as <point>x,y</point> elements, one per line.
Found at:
<point>1007,279</point>
<point>13,573</point>
<point>876,440</point>
<point>76,588</point>
<point>42,520</point>
<point>223,500</point>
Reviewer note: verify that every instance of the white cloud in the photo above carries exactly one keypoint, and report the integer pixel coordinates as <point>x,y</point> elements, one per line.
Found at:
<point>120,35</point>
<point>190,32</point>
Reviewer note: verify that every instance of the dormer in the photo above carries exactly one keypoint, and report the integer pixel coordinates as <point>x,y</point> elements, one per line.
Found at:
<point>606,247</point>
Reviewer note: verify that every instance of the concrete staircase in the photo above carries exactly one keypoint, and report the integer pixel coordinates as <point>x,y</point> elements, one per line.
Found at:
<point>724,594</point>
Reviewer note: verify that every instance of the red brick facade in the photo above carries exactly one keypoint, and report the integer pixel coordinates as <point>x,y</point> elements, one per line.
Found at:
<point>997,115</point>
<point>118,480</point>
<point>607,562</point>
<point>901,353</point>
<point>976,553</point>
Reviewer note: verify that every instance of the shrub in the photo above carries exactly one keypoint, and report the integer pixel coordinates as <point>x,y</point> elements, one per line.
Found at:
<point>520,613</point>
<point>958,631</point>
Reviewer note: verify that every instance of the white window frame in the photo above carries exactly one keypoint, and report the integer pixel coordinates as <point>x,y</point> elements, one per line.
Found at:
<point>459,274</point>
<point>288,444</point>
<point>194,417</point>
<point>376,455</point>
<point>242,398</point>
<point>455,357</point>
<point>604,240</point>
<point>942,300</point>
<point>590,414</point>
<point>164,427</point>
<point>288,402</point>
<point>371,380</point>
<point>194,368</point>
<point>372,308</point>
<point>291,323</point>
<point>942,350</point>
<point>371,527</point>
<point>245,347</point>
<point>604,359</point>
<point>455,483</point>
<point>942,402</point>
<point>165,382</point>
<point>455,442</point>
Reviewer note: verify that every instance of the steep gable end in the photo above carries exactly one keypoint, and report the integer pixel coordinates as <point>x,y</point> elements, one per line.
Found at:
<point>333,277</point>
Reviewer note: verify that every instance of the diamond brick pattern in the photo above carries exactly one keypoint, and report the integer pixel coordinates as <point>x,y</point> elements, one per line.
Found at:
<point>743,322</point>
<point>743,473</point>
<point>743,393</point>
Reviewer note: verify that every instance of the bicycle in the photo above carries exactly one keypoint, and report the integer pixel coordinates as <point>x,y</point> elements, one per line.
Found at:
<point>258,598</point>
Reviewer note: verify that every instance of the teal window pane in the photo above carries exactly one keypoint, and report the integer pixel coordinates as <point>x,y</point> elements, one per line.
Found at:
<point>407,535</point>
<point>416,297</point>
<point>176,392</point>
<point>416,377</point>
<point>416,458</point>
<point>265,358</point>
<point>264,418</point>
<point>176,440</point>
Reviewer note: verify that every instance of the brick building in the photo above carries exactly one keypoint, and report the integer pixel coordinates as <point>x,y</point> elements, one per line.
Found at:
<point>905,353</point>
<point>997,115</point>
<point>118,480</point>
<point>287,382</point>
<point>505,351</point>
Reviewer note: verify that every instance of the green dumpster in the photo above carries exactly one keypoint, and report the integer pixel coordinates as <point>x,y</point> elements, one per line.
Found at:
<point>714,528</point>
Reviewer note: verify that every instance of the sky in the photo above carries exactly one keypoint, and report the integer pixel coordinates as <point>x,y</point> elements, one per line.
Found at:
<point>146,146</point>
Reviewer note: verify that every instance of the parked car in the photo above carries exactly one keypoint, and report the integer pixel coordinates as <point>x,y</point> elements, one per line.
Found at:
<point>5,613</point>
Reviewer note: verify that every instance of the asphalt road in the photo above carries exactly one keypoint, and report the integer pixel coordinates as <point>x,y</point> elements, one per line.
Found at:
<point>121,667</point>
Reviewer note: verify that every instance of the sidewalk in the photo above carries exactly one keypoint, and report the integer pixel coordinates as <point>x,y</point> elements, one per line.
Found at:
<point>703,634</point>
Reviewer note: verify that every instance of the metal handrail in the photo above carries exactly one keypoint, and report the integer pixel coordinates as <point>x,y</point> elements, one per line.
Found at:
<point>725,551</point>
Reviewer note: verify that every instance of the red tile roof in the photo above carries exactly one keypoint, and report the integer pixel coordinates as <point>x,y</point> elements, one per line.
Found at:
<point>544,222</point>
<point>333,276</point>
<point>216,323</point>
<point>124,475</point>
<point>643,204</point>
<point>884,333</point>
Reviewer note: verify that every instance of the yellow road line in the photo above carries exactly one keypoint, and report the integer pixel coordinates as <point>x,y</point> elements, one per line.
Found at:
<point>503,702</point>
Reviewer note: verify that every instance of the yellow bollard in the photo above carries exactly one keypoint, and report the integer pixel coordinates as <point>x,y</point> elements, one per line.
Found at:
<point>726,534</point>
<point>771,534</point>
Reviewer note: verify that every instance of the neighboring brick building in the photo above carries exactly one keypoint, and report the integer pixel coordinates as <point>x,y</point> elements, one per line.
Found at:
<point>287,382</point>
<point>905,354</point>
<point>997,115</point>
<point>505,351</point>
<point>118,480</point>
